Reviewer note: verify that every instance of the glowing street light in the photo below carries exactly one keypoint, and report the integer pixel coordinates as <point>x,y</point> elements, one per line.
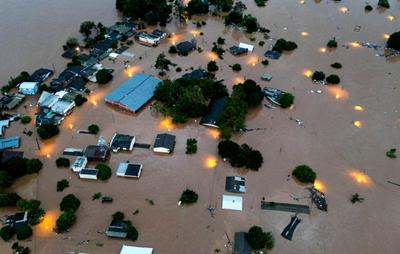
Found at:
<point>308,73</point>
<point>305,34</point>
<point>343,9</point>
<point>358,108</point>
<point>358,124</point>
<point>386,36</point>
<point>391,17</point>
<point>210,162</point>
<point>319,185</point>
<point>322,50</point>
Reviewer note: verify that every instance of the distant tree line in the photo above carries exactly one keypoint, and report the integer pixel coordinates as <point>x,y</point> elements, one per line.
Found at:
<point>17,167</point>
<point>13,82</point>
<point>150,11</point>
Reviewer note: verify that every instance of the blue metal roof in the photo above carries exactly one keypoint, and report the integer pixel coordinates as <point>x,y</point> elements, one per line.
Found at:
<point>134,93</point>
<point>6,143</point>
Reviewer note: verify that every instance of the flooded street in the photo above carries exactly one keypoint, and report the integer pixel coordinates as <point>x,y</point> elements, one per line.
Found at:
<point>347,131</point>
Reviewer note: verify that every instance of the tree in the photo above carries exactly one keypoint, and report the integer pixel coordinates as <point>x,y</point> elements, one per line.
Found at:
<point>26,119</point>
<point>86,28</point>
<point>249,92</point>
<point>265,62</point>
<point>392,153</point>
<point>336,65</point>
<point>234,17</point>
<point>172,50</point>
<point>332,43</point>
<point>191,146</point>
<point>188,197</point>
<point>132,233</point>
<point>71,43</point>
<point>65,220</point>
<point>70,202</point>
<point>212,66</point>
<point>384,3</point>
<point>250,23</point>
<point>104,171</point>
<point>79,100</point>
<point>103,76</point>
<point>5,179</point>
<point>236,67</point>
<point>258,239</point>
<point>9,199</point>
<point>368,8</point>
<point>151,11</point>
<point>333,79</point>
<point>162,63</point>
<point>47,131</point>
<point>23,204</point>
<point>355,197</point>
<point>35,215</point>
<point>304,174</point>
<point>197,7</point>
<point>93,129</point>
<point>286,100</point>
<point>228,148</point>
<point>260,3</point>
<point>222,5</point>
<point>284,45</point>
<point>318,76</point>
<point>118,215</point>
<point>62,184</point>
<point>7,232</point>
<point>63,162</point>
<point>254,159</point>
<point>394,41</point>
<point>33,165</point>
<point>23,232</point>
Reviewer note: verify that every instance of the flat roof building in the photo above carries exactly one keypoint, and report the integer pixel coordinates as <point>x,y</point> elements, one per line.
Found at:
<point>88,173</point>
<point>135,250</point>
<point>134,93</point>
<point>117,229</point>
<point>242,245</point>
<point>235,184</point>
<point>215,109</point>
<point>122,142</point>
<point>164,143</point>
<point>129,170</point>
<point>232,202</point>
<point>79,164</point>
<point>29,88</point>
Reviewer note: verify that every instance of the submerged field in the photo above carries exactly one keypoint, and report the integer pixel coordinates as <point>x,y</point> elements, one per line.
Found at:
<point>348,158</point>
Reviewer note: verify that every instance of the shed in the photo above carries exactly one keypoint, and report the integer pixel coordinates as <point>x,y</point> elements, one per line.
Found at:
<point>29,88</point>
<point>185,47</point>
<point>232,202</point>
<point>79,164</point>
<point>235,184</point>
<point>249,47</point>
<point>272,54</point>
<point>88,173</point>
<point>129,170</point>
<point>215,109</point>
<point>3,125</point>
<point>117,229</point>
<point>97,152</point>
<point>135,250</point>
<point>134,93</point>
<point>235,50</point>
<point>242,245</point>
<point>9,143</point>
<point>122,142</point>
<point>164,143</point>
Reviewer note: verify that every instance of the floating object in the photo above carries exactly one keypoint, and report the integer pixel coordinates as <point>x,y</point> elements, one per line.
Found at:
<point>318,198</point>
<point>289,229</point>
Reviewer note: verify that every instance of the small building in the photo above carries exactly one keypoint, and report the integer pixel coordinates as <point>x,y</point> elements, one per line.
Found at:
<point>7,155</point>
<point>46,116</point>
<point>185,47</point>
<point>17,219</point>
<point>11,101</point>
<point>3,125</point>
<point>236,51</point>
<point>88,173</point>
<point>232,202</point>
<point>241,245</point>
<point>266,77</point>
<point>196,74</point>
<point>73,151</point>
<point>249,47</point>
<point>9,143</point>
<point>159,33</point>
<point>272,54</point>
<point>79,164</point>
<point>235,184</point>
<point>29,88</point>
<point>41,75</point>
<point>164,143</point>
<point>215,109</point>
<point>134,93</point>
<point>135,250</point>
<point>148,39</point>
<point>117,229</point>
<point>97,152</point>
<point>77,84</point>
<point>122,142</point>
<point>129,170</point>
<point>121,28</point>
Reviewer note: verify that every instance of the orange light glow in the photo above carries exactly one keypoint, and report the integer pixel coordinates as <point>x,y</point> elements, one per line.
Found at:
<point>238,80</point>
<point>391,17</point>
<point>210,162</point>
<point>167,123</point>
<point>214,133</point>
<point>358,108</point>
<point>45,228</point>
<point>319,185</point>
<point>343,9</point>
<point>77,49</point>
<point>305,34</point>
<point>174,38</point>
<point>94,97</point>
<point>253,60</point>
<point>386,36</point>
<point>211,55</point>
<point>47,149</point>
<point>358,124</point>
<point>360,177</point>
<point>302,2</point>
<point>338,92</point>
<point>355,44</point>
<point>308,73</point>
<point>131,70</point>
<point>322,50</point>
<point>195,32</point>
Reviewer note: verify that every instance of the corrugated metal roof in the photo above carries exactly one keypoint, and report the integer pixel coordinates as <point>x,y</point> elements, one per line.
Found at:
<point>135,92</point>
<point>9,143</point>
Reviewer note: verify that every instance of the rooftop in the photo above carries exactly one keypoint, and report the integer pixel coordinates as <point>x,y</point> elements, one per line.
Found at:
<point>215,109</point>
<point>165,140</point>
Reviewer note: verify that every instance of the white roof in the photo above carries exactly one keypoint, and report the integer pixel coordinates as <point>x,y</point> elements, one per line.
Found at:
<point>61,94</point>
<point>232,202</point>
<point>113,55</point>
<point>62,106</point>
<point>249,47</point>
<point>28,85</point>
<point>47,99</point>
<point>135,250</point>
<point>3,124</point>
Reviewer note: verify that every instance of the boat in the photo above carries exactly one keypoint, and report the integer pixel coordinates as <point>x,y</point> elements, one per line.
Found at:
<point>273,94</point>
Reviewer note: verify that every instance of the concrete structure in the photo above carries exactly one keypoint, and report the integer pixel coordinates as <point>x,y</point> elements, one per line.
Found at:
<point>164,143</point>
<point>29,88</point>
<point>88,173</point>
<point>129,170</point>
<point>79,164</point>
<point>135,250</point>
<point>232,203</point>
<point>134,93</point>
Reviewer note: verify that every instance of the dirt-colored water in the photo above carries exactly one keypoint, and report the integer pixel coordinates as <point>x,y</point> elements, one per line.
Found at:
<point>347,158</point>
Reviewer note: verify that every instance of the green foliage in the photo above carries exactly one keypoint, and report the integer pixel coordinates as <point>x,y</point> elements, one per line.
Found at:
<point>62,184</point>
<point>162,63</point>
<point>104,171</point>
<point>35,214</point>
<point>197,7</point>
<point>70,202</point>
<point>93,129</point>
<point>191,146</point>
<point>218,50</point>
<point>65,220</point>
<point>132,233</point>
<point>79,100</point>
<point>304,174</point>
<point>26,119</point>
<point>103,76</point>
<point>9,199</point>
<point>318,76</point>
<point>17,167</point>
<point>47,131</point>
<point>286,100</point>
<point>86,28</point>
<point>368,8</point>
<point>236,67</point>
<point>33,165</point>
<point>250,23</point>
<point>44,87</point>
<point>13,82</point>
<point>392,153</point>
<point>5,179</point>
<point>97,195</point>
<point>336,65</point>
<point>71,43</point>
<point>394,41</point>
<point>234,18</point>
<point>261,43</point>
<point>355,197</point>
<point>212,66</point>
<point>283,45</point>
<point>384,3</point>
<point>260,3</point>
<point>249,92</point>
<point>332,43</point>
<point>240,156</point>
<point>222,5</point>
<point>63,162</point>
<point>23,232</point>
<point>23,204</point>
<point>173,49</point>
<point>19,249</point>
<point>7,232</point>
<point>189,196</point>
<point>333,79</point>
<point>265,62</point>
<point>220,41</point>
<point>118,215</point>
<point>258,239</point>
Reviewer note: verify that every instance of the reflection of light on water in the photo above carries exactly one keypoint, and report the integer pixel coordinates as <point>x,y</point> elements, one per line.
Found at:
<point>343,9</point>
<point>211,162</point>
<point>355,44</point>
<point>358,124</point>
<point>47,149</point>
<point>94,97</point>
<point>391,17</point>
<point>305,34</point>
<point>319,185</point>
<point>238,80</point>
<point>211,55</point>
<point>214,133</point>
<point>360,177</point>
<point>338,92</point>
<point>131,70</point>
<point>302,2</point>
<point>174,38</point>
<point>167,124</point>
<point>358,108</point>
<point>253,60</point>
<point>322,50</point>
<point>308,73</point>
<point>386,36</point>
<point>195,32</point>
<point>45,228</point>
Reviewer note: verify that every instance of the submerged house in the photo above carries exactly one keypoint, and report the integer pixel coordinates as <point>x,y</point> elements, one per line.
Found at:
<point>55,103</point>
<point>126,249</point>
<point>185,47</point>
<point>196,74</point>
<point>17,219</point>
<point>97,152</point>
<point>272,54</point>
<point>164,143</point>
<point>9,143</point>
<point>41,75</point>
<point>117,229</point>
<point>7,155</point>
<point>241,245</point>
<point>215,109</point>
<point>3,125</point>
<point>79,164</point>
<point>11,101</point>
<point>235,184</point>
<point>129,170</point>
<point>28,88</point>
<point>148,39</point>
<point>122,142</point>
<point>88,173</point>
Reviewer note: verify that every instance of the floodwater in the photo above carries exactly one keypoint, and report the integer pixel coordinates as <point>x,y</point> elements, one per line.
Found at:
<point>347,130</point>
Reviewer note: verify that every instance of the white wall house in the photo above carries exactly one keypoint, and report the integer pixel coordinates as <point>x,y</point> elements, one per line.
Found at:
<point>79,164</point>
<point>88,173</point>
<point>29,88</point>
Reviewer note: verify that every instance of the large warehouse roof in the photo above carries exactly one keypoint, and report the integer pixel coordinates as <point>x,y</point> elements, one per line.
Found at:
<point>134,93</point>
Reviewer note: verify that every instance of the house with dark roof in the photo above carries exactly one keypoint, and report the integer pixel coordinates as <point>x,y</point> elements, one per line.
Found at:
<point>196,74</point>
<point>215,109</point>
<point>185,47</point>
<point>117,229</point>
<point>69,53</point>
<point>41,75</point>
<point>164,143</point>
<point>159,33</point>
<point>77,84</point>
<point>11,101</point>
<point>241,245</point>
<point>122,142</point>
<point>235,184</point>
<point>272,54</point>
<point>236,51</point>
<point>129,170</point>
<point>97,152</point>
<point>7,155</point>
<point>17,219</point>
